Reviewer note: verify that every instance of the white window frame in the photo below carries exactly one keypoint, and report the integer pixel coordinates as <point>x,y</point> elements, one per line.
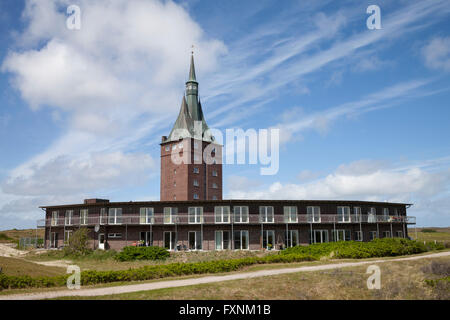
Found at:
<point>115,216</point>
<point>359,236</point>
<point>54,219</point>
<point>214,173</point>
<point>198,237</point>
<point>344,215</point>
<point>146,216</point>
<point>397,233</point>
<point>241,233</point>
<point>341,235</point>
<point>322,232</point>
<point>68,217</point>
<point>196,197</point>
<point>115,235</point>
<point>195,183</point>
<point>289,238</point>
<point>238,213</point>
<point>173,241</point>
<point>388,233</point>
<point>196,170</point>
<point>266,214</point>
<point>103,219</point>
<point>372,215</point>
<point>221,233</point>
<point>170,215</point>
<point>314,213</point>
<point>195,215</point>
<point>222,214</point>
<point>84,217</point>
<point>266,235</point>
<point>289,213</point>
<point>67,235</point>
<point>373,235</point>
<point>357,214</point>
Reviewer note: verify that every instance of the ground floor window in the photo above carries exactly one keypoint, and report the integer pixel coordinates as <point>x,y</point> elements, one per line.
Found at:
<point>169,240</point>
<point>222,240</point>
<point>341,235</point>
<point>195,240</point>
<point>268,239</point>
<point>67,235</point>
<point>241,240</point>
<point>372,235</point>
<point>53,239</point>
<point>146,238</point>
<point>386,234</point>
<point>399,234</point>
<point>358,236</point>
<point>114,235</point>
<point>291,238</point>
<point>318,236</point>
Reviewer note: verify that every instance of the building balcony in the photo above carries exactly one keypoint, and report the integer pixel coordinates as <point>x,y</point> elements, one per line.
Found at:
<point>210,219</point>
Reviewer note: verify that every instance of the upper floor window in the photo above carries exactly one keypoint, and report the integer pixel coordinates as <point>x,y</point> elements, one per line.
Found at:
<point>196,196</point>
<point>372,215</point>
<point>196,183</point>
<point>343,214</point>
<point>240,214</point>
<point>195,214</point>
<point>170,215</point>
<point>266,214</point>
<point>385,212</point>
<point>167,148</point>
<point>357,213</point>
<point>290,214</point>
<point>214,185</point>
<point>103,216</point>
<point>214,197</point>
<point>222,214</point>
<point>214,173</point>
<point>146,216</point>
<point>84,216</point>
<point>115,216</point>
<point>68,218</point>
<point>313,214</point>
<point>196,170</point>
<point>54,218</point>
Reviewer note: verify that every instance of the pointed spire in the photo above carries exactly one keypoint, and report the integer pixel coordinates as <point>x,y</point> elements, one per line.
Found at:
<point>183,125</point>
<point>192,76</point>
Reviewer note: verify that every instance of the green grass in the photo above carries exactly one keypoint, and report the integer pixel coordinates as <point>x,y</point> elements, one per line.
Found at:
<point>424,234</point>
<point>411,280</point>
<point>20,267</point>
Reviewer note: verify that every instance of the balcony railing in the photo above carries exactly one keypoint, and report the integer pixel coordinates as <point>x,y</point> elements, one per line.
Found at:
<point>209,219</point>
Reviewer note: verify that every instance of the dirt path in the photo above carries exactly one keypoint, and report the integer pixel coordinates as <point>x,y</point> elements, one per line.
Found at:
<point>8,250</point>
<point>208,279</point>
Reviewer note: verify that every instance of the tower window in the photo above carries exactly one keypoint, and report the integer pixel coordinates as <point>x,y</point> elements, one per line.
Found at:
<point>195,196</point>
<point>167,148</point>
<point>196,170</point>
<point>214,173</point>
<point>214,185</point>
<point>196,183</point>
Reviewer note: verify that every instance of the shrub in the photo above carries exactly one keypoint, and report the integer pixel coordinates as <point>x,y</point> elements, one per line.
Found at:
<point>142,253</point>
<point>428,230</point>
<point>4,237</point>
<point>78,243</point>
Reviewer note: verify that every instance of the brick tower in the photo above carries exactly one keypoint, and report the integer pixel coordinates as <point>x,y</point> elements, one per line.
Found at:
<point>191,161</point>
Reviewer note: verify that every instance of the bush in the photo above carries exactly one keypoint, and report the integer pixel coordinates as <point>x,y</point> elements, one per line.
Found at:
<point>91,277</point>
<point>142,253</point>
<point>78,243</point>
<point>5,237</point>
<point>428,230</point>
<point>358,250</point>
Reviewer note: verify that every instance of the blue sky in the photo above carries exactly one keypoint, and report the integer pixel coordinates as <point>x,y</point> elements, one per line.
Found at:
<point>363,113</point>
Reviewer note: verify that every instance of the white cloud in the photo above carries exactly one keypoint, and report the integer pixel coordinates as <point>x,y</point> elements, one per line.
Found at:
<point>371,181</point>
<point>437,53</point>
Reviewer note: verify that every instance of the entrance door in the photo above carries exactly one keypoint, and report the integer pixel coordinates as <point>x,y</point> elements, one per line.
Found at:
<point>169,240</point>
<point>54,240</point>
<point>101,241</point>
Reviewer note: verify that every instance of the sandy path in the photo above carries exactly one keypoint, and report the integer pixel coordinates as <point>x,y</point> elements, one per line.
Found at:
<point>8,250</point>
<point>208,279</point>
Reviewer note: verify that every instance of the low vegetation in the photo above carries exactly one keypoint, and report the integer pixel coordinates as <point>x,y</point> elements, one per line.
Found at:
<point>355,250</point>
<point>387,247</point>
<point>142,253</point>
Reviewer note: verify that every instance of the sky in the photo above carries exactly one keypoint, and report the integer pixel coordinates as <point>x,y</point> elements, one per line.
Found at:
<point>363,113</point>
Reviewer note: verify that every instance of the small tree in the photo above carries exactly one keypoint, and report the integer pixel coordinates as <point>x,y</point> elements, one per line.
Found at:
<point>78,243</point>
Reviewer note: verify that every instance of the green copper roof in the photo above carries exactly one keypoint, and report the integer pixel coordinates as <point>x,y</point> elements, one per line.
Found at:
<point>190,113</point>
<point>192,76</point>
